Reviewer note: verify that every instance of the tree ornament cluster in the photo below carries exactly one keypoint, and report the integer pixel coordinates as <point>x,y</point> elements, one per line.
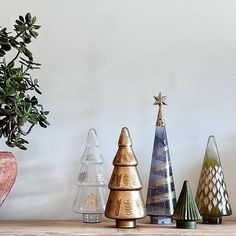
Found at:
<point>125,203</point>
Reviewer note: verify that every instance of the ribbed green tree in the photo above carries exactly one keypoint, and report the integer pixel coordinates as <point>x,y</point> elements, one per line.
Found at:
<point>186,212</point>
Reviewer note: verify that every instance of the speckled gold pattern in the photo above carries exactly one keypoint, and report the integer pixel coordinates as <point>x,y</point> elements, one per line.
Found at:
<point>125,202</point>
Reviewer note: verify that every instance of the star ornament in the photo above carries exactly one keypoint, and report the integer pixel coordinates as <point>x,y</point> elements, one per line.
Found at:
<point>160,100</point>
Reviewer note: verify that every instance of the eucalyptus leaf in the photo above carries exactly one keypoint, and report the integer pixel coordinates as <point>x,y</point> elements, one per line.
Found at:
<point>28,17</point>
<point>2,53</point>
<point>3,40</point>
<point>19,22</point>
<point>6,47</point>
<point>21,18</point>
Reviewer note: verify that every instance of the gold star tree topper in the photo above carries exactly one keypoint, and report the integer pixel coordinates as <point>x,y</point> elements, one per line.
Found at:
<point>160,100</point>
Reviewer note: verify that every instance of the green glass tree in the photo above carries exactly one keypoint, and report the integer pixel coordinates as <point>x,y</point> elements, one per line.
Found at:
<point>212,197</point>
<point>186,212</point>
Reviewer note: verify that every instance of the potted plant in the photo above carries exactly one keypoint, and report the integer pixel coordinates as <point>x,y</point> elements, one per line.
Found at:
<point>20,110</point>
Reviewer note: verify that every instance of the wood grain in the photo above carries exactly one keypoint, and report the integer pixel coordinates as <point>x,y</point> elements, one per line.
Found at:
<point>75,228</point>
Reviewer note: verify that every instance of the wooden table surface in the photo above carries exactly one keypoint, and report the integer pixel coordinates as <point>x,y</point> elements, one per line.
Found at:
<point>59,228</point>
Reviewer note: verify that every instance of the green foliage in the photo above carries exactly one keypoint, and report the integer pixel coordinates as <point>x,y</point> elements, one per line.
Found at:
<point>19,106</point>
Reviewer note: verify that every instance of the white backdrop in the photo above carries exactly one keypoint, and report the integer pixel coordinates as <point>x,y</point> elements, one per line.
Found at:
<point>102,62</point>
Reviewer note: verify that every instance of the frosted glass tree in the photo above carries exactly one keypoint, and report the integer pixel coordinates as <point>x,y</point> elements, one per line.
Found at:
<point>91,195</point>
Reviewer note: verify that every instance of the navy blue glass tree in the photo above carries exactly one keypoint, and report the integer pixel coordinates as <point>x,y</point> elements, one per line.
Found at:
<point>161,197</point>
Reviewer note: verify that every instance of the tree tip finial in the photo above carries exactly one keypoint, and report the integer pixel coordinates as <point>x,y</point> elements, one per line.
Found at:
<point>160,100</point>
<point>92,138</point>
<point>125,139</point>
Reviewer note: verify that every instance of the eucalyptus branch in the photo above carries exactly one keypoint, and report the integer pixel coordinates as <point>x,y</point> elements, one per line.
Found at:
<point>25,71</point>
<point>18,107</point>
<point>17,55</point>
<point>18,35</point>
<point>12,131</point>
<point>26,133</point>
<point>4,111</point>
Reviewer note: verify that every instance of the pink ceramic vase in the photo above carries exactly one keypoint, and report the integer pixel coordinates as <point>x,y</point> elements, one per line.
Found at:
<point>8,173</point>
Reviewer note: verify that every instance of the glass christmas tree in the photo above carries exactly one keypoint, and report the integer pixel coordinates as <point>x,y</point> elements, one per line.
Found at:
<point>125,202</point>
<point>186,212</point>
<point>91,195</point>
<point>212,197</point>
<point>161,198</point>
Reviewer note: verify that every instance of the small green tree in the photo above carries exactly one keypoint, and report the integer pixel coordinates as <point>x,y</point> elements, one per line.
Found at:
<point>19,107</point>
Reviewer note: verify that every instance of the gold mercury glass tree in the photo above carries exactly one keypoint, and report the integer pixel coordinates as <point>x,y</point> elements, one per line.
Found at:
<point>125,203</point>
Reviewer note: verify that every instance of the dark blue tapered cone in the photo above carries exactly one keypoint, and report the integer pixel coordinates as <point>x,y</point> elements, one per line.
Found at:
<point>161,197</point>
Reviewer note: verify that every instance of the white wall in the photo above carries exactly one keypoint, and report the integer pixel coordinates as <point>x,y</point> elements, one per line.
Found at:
<point>102,62</point>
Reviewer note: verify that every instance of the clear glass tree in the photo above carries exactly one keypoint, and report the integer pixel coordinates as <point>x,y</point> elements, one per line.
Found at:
<point>91,195</point>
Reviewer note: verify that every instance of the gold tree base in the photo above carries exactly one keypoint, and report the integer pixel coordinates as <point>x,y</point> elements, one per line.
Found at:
<point>125,223</point>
